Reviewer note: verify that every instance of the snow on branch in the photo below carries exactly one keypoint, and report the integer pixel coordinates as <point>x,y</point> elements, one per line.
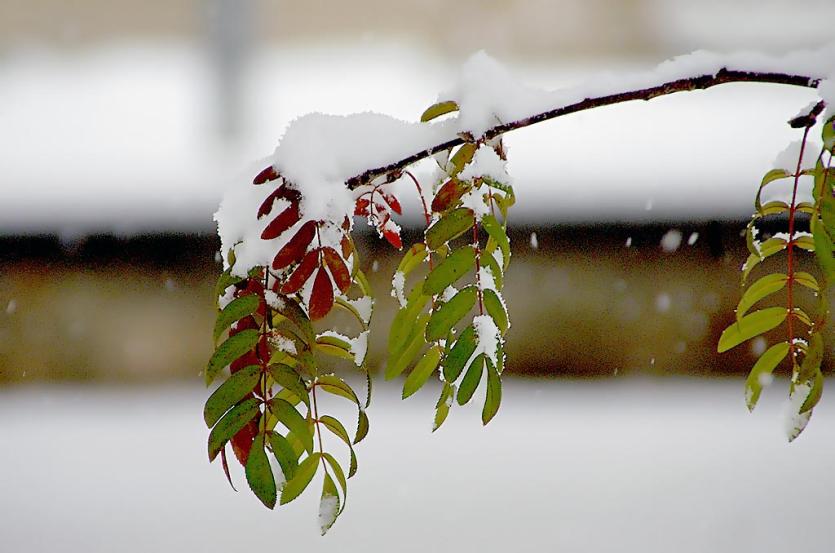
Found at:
<point>328,157</point>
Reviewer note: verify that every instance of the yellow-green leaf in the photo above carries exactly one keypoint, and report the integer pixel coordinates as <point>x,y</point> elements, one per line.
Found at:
<point>762,288</point>
<point>304,474</point>
<point>448,271</point>
<point>750,326</point>
<point>497,233</point>
<point>420,374</point>
<point>450,226</point>
<point>401,359</point>
<point>293,420</point>
<point>763,368</point>
<point>436,110</point>
<point>443,405</point>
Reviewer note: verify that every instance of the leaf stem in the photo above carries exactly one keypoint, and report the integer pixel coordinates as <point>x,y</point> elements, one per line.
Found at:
<point>791,246</point>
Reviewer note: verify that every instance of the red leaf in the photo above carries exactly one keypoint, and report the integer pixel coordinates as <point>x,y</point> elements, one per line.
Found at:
<point>267,205</point>
<point>296,247</point>
<point>393,237</point>
<point>226,467</point>
<point>321,300</point>
<point>285,220</point>
<point>338,269</point>
<point>245,360</point>
<point>393,203</point>
<point>447,195</point>
<point>263,350</point>
<point>266,174</point>
<point>302,272</point>
<point>346,247</point>
<point>361,207</point>
<point>242,441</point>
<point>243,324</point>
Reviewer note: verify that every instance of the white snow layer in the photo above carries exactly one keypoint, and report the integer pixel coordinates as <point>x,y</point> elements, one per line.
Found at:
<point>787,159</point>
<point>328,509</point>
<point>488,337</point>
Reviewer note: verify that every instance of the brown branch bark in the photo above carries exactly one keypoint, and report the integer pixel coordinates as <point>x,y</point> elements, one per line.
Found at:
<point>681,85</point>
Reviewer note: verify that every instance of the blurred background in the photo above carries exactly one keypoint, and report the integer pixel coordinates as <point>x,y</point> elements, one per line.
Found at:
<point>121,124</point>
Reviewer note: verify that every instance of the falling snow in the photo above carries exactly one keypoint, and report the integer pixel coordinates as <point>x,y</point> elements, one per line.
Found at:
<point>671,240</point>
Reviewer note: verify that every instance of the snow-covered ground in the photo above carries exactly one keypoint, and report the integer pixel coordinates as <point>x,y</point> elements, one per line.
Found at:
<point>616,465</point>
<point>123,139</point>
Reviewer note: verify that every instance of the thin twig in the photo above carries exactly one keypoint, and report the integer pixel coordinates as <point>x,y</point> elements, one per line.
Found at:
<point>681,85</point>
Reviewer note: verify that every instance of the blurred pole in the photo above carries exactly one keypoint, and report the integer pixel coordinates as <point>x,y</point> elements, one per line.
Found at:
<point>229,39</point>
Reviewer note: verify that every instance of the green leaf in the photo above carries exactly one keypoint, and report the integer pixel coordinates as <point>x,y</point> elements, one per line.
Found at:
<point>398,362</point>
<point>448,271</point>
<point>362,426</point>
<point>453,224</point>
<point>495,308</point>
<point>471,379</point>
<point>750,326</point>
<point>460,354</point>
<point>336,428</point>
<point>762,288</point>
<point>284,454</point>
<point>424,368</point>
<point>226,280</point>
<point>494,393</point>
<point>230,350</point>
<point>292,419</point>
<point>294,487</point>
<point>489,262</point>
<point>339,431</point>
<point>402,328</point>
<point>765,365</point>
<point>828,134</point>
<point>497,233</point>
<point>436,110</point>
<point>338,472</point>
<point>823,252</point>
<point>461,158</point>
<point>329,508</point>
<point>443,405</point>
<point>290,309</point>
<point>259,474</point>
<point>338,387</point>
<point>448,314</point>
<point>290,380</point>
<point>236,310</point>
<point>230,424</point>
<point>230,392</point>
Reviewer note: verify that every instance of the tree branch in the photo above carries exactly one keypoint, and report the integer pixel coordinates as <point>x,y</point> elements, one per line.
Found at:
<point>393,170</point>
